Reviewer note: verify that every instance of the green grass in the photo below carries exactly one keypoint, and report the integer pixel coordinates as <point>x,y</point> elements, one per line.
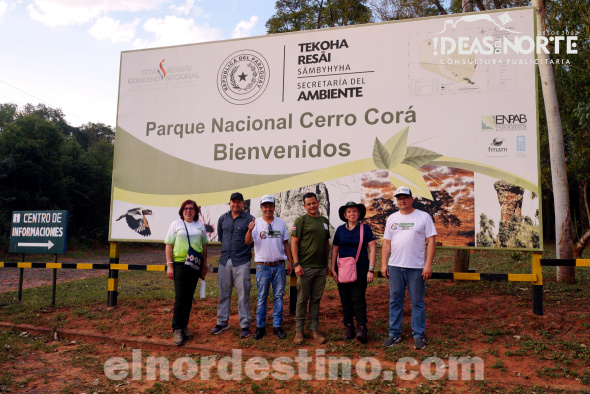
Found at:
<point>86,299</point>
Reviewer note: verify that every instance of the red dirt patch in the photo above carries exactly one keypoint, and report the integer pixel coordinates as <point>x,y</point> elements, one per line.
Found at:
<point>493,322</point>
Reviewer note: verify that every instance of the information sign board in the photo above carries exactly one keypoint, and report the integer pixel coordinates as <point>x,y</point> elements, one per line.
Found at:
<point>38,232</point>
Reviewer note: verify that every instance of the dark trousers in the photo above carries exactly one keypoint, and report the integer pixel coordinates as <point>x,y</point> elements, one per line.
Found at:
<point>352,296</point>
<point>185,283</point>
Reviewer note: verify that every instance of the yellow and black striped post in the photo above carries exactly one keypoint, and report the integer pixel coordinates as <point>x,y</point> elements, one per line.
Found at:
<point>21,274</point>
<point>293,294</point>
<point>113,284</point>
<point>54,283</point>
<point>538,284</point>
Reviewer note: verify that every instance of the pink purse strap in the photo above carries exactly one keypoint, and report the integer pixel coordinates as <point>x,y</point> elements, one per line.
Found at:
<point>358,252</point>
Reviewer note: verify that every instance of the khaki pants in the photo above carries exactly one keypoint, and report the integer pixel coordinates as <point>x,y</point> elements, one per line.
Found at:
<point>310,287</point>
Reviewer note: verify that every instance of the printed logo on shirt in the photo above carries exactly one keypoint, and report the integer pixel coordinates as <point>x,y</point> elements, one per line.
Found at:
<point>270,234</point>
<point>402,226</point>
<point>294,228</point>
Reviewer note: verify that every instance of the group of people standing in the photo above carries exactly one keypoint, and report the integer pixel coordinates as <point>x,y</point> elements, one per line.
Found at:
<point>407,254</point>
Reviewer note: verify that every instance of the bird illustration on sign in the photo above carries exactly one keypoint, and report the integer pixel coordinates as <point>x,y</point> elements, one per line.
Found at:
<point>136,220</point>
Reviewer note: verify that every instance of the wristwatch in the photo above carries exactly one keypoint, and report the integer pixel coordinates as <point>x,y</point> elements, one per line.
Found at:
<point>295,265</point>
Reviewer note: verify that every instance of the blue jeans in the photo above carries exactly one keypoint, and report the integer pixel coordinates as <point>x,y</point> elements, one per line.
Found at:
<point>399,279</point>
<point>265,276</point>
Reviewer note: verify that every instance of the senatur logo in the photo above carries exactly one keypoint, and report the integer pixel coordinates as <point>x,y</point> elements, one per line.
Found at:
<point>173,75</point>
<point>161,71</point>
<point>504,41</point>
<point>243,77</point>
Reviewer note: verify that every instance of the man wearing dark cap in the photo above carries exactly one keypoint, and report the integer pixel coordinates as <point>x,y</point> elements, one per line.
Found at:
<point>409,237</point>
<point>234,265</point>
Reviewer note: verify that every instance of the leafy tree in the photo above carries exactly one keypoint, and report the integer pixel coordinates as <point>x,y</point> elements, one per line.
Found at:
<point>438,208</point>
<point>32,177</point>
<point>485,237</point>
<point>503,234</point>
<point>90,133</point>
<point>381,208</point>
<point>52,115</point>
<point>45,163</point>
<point>572,82</point>
<point>296,15</point>
<point>386,10</point>
<point>7,114</point>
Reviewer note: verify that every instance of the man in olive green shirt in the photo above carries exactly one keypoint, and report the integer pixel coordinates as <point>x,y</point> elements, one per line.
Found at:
<point>310,245</point>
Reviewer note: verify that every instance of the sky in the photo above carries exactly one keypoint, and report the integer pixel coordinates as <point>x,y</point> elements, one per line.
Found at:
<point>66,53</point>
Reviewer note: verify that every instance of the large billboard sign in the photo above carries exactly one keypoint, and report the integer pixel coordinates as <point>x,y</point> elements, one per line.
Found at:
<point>444,105</point>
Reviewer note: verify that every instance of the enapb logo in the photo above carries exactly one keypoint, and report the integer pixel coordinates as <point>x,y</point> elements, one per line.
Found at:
<point>507,122</point>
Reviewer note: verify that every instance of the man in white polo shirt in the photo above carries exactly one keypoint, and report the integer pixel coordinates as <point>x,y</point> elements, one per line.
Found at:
<point>271,249</point>
<point>409,236</point>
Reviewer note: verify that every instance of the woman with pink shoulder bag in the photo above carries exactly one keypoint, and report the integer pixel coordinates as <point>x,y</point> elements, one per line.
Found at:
<point>353,267</point>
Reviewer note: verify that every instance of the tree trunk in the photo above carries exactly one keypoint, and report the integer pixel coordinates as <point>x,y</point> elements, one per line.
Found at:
<point>563,222</point>
<point>581,245</point>
<point>584,239</point>
<point>461,260</point>
<point>461,256</point>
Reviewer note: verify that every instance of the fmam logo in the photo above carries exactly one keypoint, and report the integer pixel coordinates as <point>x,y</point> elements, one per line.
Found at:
<point>496,146</point>
<point>516,122</point>
<point>161,71</point>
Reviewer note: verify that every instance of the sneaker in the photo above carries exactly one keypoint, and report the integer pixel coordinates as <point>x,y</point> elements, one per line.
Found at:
<point>177,337</point>
<point>419,343</point>
<point>319,338</point>
<point>260,331</point>
<point>218,328</point>
<point>298,338</point>
<point>244,332</point>
<point>349,333</point>
<point>280,333</point>
<point>362,334</point>
<point>391,340</point>
<point>187,334</point>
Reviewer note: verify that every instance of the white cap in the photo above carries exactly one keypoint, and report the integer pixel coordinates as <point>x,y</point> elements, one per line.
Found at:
<point>267,198</point>
<point>403,191</point>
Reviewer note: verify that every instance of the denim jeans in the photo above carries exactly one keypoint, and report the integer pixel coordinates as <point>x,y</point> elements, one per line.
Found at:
<point>265,276</point>
<point>399,279</point>
<point>227,276</point>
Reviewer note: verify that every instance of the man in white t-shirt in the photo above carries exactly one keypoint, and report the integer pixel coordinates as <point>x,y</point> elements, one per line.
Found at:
<point>271,249</point>
<point>409,237</point>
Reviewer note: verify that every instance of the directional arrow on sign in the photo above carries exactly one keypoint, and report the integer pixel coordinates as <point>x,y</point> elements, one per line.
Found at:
<point>48,244</point>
